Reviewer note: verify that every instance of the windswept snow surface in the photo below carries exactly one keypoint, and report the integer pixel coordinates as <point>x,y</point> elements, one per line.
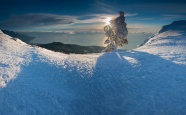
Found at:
<point>148,80</point>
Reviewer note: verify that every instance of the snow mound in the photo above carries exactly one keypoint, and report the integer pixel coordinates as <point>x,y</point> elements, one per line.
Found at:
<point>16,55</point>
<point>147,80</point>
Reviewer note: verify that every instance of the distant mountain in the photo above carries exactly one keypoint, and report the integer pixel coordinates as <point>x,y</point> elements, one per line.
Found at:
<point>22,37</point>
<point>71,48</point>
<point>176,25</point>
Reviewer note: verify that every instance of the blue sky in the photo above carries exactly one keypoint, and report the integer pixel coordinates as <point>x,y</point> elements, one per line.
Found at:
<point>88,15</point>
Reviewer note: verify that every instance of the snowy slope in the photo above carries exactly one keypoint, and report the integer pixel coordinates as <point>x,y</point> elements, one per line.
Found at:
<point>147,80</point>
<point>13,56</point>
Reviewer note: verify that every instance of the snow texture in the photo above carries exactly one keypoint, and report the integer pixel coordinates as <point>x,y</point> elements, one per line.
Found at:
<point>150,80</point>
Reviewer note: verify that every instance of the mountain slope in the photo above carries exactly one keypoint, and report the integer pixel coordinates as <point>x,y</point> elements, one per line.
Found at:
<point>22,37</point>
<point>174,26</point>
<point>71,48</point>
<point>147,80</point>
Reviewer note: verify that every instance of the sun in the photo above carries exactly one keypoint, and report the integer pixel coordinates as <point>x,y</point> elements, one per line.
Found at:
<point>107,20</point>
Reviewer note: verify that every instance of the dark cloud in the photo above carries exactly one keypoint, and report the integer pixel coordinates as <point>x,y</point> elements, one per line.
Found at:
<point>37,20</point>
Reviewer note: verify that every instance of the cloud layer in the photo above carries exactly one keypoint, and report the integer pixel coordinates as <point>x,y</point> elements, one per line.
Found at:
<point>37,20</point>
<point>57,22</point>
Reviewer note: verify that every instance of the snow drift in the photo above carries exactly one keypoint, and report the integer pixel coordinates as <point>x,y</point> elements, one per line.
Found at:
<point>147,80</point>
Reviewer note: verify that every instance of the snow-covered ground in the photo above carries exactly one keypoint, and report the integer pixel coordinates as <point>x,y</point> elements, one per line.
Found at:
<point>147,80</point>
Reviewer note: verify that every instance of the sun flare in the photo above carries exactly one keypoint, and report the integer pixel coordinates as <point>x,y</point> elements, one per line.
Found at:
<point>107,20</point>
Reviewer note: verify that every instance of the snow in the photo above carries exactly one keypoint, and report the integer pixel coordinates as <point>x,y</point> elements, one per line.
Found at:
<point>13,56</point>
<point>148,80</point>
<point>169,45</point>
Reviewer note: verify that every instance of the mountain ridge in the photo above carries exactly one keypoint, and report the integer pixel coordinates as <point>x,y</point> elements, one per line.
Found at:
<point>179,25</point>
<point>22,37</point>
<point>71,48</point>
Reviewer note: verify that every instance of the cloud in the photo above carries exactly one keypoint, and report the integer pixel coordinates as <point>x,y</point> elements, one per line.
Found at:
<point>173,16</point>
<point>44,21</point>
<point>37,20</point>
<point>100,18</point>
<point>103,7</point>
<point>131,15</point>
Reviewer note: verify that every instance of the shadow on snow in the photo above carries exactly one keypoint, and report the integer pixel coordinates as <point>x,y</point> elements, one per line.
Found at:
<point>121,83</point>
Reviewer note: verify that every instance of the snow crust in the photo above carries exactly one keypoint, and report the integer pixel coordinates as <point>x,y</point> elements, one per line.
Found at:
<point>147,80</point>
